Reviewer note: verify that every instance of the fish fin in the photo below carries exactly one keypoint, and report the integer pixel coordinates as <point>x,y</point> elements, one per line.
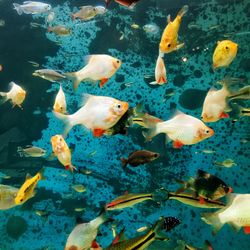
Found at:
<point>169,18</point>
<point>103,81</point>
<point>183,11</point>
<point>179,46</point>
<point>98,132</point>
<point>153,83</point>
<point>247,229</point>
<point>212,219</point>
<point>177,144</point>
<point>3,98</point>
<point>243,93</point>
<point>124,162</point>
<point>20,151</point>
<point>162,80</point>
<point>94,244</point>
<point>66,120</point>
<point>224,115</point>
<point>170,223</point>
<point>51,157</point>
<point>201,200</point>
<point>119,237</point>
<point>73,76</point>
<point>148,135</point>
<point>157,230</point>
<point>18,8</point>
<point>235,227</point>
<point>207,245</point>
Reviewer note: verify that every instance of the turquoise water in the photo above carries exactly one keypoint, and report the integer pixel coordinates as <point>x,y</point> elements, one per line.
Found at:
<point>190,76</point>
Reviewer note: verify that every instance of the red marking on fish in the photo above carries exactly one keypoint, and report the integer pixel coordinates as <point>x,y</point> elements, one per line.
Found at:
<point>103,81</point>
<point>177,144</point>
<point>224,115</point>
<point>247,230</point>
<point>67,167</point>
<point>201,200</point>
<point>98,132</point>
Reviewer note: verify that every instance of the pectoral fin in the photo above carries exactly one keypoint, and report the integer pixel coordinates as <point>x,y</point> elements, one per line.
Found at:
<point>179,46</point>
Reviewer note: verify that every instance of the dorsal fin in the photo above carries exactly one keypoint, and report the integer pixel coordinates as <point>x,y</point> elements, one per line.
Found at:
<point>176,112</point>
<point>85,98</point>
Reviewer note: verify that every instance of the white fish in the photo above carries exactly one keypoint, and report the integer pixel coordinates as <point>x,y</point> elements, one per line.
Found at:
<point>7,197</point>
<point>99,67</point>
<point>236,213</point>
<point>99,113</point>
<point>30,7</point>
<point>84,234</point>
<point>160,72</point>
<point>182,129</point>
<point>100,10</point>
<point>16,95</point>
<point>151,28</point>
<point>50,17</point>
<point>60,104</point>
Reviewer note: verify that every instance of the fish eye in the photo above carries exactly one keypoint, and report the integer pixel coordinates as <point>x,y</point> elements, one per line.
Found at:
<point>21,200</point>
<point>207,131</point>
<point>155,155</point>
<point>169,45</point>
<point>61,108</point>
<point>60,139</point>
<point>227,48</point>
<point>119,106</point>
<point>118,61</point>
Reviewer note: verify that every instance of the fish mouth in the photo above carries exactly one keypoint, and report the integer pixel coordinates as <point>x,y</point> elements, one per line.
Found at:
<point>125,106</point>
<point>211,132</point>
<point>115,65</point>
<point>230,190</point>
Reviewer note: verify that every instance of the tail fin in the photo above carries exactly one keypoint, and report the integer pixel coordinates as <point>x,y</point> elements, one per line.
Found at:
<point>3,98</point>
<point>159,225</point>
<point>207,245</point>
<point>18,8</point>
<point>243,93</point>
<point>73,76</point>
<point>124,162</point>
<point>212,219</point>
<point>20,151</point>
<point>41,172</point>
<point>183,11</point>
<point>67,121</point>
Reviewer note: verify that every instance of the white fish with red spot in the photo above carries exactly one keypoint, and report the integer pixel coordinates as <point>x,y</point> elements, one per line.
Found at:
<point>98,114</point>
<point>98,68</point>
<point>182,129</point>
<point>160,72</point>
<point>236,213</point>
<point>60,104</point>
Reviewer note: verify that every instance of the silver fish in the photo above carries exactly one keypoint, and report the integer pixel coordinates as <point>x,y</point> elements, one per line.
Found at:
<point>49,74</point>
<point>29,7</point>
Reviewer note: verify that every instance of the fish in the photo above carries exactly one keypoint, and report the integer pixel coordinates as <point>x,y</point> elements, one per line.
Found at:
<point>182,129</point>
<point>49,74</point>
<point>2,23</point>
<point>205,186</point>
<point>60,30</point>
<point>27,190</point>
<point>31,151</point>
<point>30,7</point>
<point>79,188</point>
<point>86,13</point>
<point>41,213</point>
<point>228,163</point>
<point>143,241</point>
<point>183,246</point>
<point>142,229</point>
<point>34,64</point>
<point>127,3</point>
<point>169,40</point>
<point>243,93</point>
<point>160,72</point>
<point>62,152</point>
<point>151,28</point>
<point>216,104</point>
<point>16,95</point>
<point>99,67</point>
<point>190,200</point>
<point>238,111</point>
<point>236,214</point>
<point>135,26</point>
<point>128,200</point>
<point>79,209</point>
<point>51,16</point>
<point>98,114</point>
<point>224,53</point>
<point>60,104</point>
<point>139,157</point>
<point>1,67</point>
<point>208,151</point>
<point>7,197</point>
<point>84,234</point>
<point>100,10</point>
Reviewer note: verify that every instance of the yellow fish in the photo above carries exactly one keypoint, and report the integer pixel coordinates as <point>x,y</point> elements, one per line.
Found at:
<point>224,53</point>
<point>27,189</point>
<point>169,39</point>
<point>62,152</point>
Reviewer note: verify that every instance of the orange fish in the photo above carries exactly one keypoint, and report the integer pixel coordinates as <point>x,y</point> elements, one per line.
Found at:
<point>169,39</point>
<point>62,152</point>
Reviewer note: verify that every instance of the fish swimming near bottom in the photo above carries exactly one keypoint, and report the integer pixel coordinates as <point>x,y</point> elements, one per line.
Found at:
<point>143,241</point>
<point>31,151</point>
<point>7,197</point>
<point>84,234</point>
<point>236,214</point>
<point>190,200</point>
<point>139,157</point>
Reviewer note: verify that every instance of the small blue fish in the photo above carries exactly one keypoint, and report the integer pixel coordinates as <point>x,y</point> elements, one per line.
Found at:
<point>29,7</point>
